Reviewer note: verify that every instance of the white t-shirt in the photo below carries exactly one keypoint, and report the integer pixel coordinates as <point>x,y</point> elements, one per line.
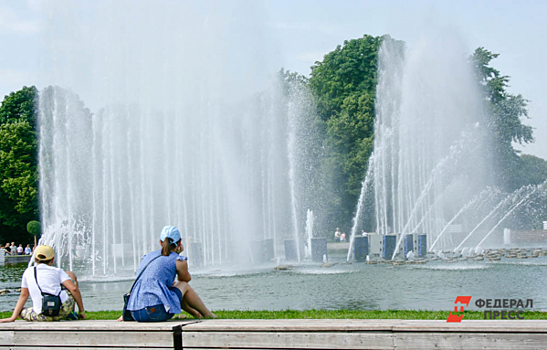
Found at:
<point>49,278</point>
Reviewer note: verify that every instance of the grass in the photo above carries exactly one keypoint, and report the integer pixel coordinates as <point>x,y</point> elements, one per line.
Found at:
<point>330,314</point>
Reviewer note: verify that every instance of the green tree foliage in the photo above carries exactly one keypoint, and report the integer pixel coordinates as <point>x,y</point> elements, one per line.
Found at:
<point>18,164</point>
<point>34,227</point>
<point>20,105</point>
<point>348,69</point>
<point>532,170</point>
<point>344,86</point>
<point>504,115</point>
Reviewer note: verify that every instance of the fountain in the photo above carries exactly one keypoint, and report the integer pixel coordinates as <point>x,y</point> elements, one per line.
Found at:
<point>360,203</point>
<point>184,128</point>
<point>423,133</point>
<point>431,154</point>
<point>531,189</point>
<point>481,198</point>
<point>431,151</point>
<point>190,128</point>
<point>309,233</point>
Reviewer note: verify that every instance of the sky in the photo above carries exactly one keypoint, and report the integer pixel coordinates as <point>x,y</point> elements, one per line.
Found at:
<point>304,31</point>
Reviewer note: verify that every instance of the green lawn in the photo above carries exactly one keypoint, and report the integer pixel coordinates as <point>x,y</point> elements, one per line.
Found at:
<point>333,314</point>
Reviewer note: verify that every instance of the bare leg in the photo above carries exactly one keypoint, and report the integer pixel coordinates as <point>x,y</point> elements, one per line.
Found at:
<point>193,300</point>
<point>74,279</point>
<point>190,310</point>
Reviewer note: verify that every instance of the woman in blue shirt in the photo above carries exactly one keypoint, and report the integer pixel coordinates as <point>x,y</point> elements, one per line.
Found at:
<point>155,297</point>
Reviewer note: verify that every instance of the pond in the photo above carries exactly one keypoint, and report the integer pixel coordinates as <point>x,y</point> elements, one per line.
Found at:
<point>431,286</point>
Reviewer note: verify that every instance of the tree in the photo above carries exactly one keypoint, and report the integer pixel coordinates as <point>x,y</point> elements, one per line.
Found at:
<point>504,114</point>
<point>20,105</point>
<point>18,164</point>
<point>344,87</point>
<point>532,170</point>
<point>349,68</point>
<point>34,228</point>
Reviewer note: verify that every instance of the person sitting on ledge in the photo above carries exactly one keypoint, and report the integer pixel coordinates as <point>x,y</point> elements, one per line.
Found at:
<point>51,280</point>
<point>156,296</point>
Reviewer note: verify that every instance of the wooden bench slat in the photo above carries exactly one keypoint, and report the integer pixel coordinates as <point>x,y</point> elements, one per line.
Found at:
<point>95,325</point>
<point>71,348</point>
<point>93,338</point>
<point>276,334</point>
<point>291,325</point>
<point>493,341</point>
<point>6,338</point>
<point>187,348</point>
<point>288,340</point>
<point>367,325</point>
<point>499,326</point>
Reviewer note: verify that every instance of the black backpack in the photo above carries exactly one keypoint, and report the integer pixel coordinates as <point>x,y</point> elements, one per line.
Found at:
<point>51,304</point>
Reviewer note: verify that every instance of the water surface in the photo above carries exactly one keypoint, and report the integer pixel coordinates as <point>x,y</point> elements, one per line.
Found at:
<point>432,286</point>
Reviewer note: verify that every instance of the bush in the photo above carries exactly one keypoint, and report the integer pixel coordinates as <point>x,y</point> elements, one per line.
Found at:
<point>34,228</point>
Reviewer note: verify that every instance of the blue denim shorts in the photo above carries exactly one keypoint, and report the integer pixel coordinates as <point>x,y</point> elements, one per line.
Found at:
<point>155,313</point>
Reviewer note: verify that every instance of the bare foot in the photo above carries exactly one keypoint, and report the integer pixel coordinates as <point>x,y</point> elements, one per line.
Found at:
<point>120,319</point>
<point>211,315</point>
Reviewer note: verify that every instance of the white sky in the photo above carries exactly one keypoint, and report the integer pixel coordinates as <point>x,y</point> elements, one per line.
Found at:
<point>304,31</point>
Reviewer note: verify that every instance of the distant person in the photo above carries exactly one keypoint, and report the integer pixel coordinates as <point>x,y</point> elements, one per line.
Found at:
<point>343,237</point>
<point>28,250</point>
<point>162,290</point>
<point>20,249</point>
<point>50,280</point>
<point>13,248</point>
<point>363,233</point>
<point>337,235</point>
<point>7,250</point>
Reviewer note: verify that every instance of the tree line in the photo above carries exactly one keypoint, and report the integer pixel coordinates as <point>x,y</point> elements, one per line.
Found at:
<point>343,86</point>
<point>18,165</point>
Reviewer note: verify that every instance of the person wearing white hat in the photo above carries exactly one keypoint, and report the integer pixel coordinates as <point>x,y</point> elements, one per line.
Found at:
<point>45,279</point>
<point>161,289</point>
